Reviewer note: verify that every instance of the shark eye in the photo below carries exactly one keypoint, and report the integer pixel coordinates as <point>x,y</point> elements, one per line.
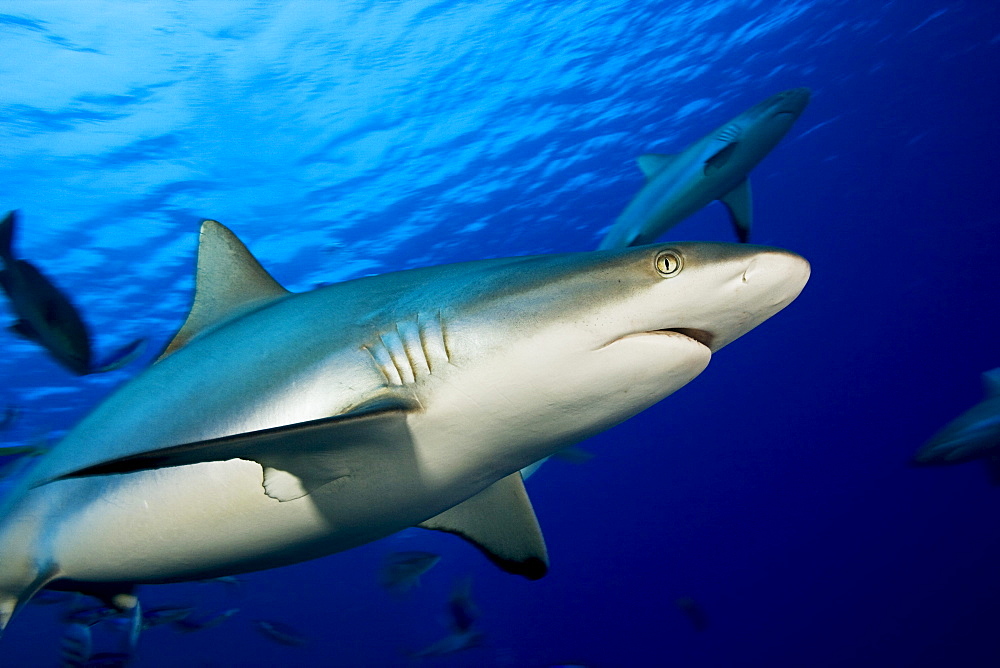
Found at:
<point>669,263</point>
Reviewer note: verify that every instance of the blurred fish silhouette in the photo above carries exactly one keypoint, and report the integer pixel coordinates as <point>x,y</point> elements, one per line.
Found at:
<point>401,571</point>
<point>203,622</point>
<point>280,633</point>
<point>975,434</point>
<point>462,617</point>
<point>47,317</point>
<point>75,646</point>
<point>165,615</point>
<point>693,612</point>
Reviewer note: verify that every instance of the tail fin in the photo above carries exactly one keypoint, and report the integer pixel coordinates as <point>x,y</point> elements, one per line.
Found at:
<point>7,237</point>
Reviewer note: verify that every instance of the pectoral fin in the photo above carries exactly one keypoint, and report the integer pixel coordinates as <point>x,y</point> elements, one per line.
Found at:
<point>739,203</point>
<point>499,521</point>
<point>297,459</point>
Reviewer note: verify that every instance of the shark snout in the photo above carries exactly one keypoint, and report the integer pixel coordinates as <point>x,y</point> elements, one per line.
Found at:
<point>763,283</point>
<point>793,101</point>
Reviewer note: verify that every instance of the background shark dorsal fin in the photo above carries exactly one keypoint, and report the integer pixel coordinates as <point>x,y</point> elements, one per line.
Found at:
<point>652,163</point>
<point>991,382</point>
<point>740,206</point>
<point>501,522</point>
<point>229,282</point>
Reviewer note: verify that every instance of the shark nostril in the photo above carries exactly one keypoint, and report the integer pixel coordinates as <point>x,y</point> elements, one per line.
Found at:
<point>749,270</point>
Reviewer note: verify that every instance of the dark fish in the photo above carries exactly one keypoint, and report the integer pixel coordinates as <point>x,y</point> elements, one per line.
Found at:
<point>165,615</point>
<point>280,633</point>
<point>189,624</point>
<point>75,646</point>
<point>401,571</point>
<point>45,315</point>
<point>693,612</point>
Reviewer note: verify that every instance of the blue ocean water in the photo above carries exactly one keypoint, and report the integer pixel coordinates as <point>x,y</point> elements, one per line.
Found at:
<point>353,138</point>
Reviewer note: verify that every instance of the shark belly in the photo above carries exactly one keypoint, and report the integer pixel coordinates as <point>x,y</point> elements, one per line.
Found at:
<point>202,520</point>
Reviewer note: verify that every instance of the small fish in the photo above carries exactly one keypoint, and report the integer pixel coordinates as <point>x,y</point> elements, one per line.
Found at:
<point>75,646</point>
<point>401,571</point>
<point>165,615</point>
<point>280,633</point>
<point>189,624</point>
<point>462,616</point>
<point>90,615</point>
<point>463,611</point>
<point>693,612</point>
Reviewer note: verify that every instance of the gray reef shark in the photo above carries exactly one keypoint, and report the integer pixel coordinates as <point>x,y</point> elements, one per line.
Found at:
<point>280,427</point>
<point>715,167</point>
<point>975,434</point>
<point>47,317</point>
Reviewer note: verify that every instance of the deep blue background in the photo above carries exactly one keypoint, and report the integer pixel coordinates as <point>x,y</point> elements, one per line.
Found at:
<point>774,490</point>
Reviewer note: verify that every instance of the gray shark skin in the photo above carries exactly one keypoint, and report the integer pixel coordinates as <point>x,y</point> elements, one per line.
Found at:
<point>715,167</point>
<point>975,434</point>
<point>281,427</point>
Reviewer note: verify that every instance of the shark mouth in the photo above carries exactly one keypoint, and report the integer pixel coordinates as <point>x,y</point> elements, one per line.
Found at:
<point>699,335</point>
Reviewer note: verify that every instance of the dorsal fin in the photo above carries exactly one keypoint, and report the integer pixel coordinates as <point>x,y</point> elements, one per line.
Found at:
<point>652,164</point>
<point>229,281</point>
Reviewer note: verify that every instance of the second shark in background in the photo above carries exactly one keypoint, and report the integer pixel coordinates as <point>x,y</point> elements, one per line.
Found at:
<point>715,167</point>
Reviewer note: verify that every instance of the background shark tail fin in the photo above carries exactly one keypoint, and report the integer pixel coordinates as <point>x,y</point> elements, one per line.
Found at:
<point>7,237</point>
